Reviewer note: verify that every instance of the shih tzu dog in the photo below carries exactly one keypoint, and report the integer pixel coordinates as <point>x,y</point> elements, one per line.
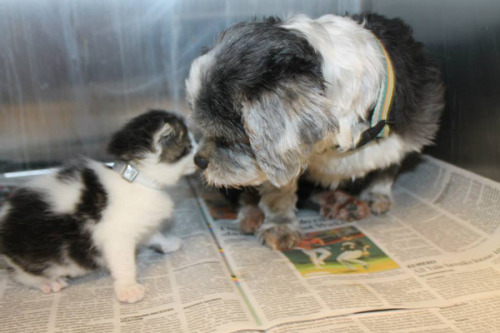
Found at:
<point>331,99</point>
<point>87,215</point>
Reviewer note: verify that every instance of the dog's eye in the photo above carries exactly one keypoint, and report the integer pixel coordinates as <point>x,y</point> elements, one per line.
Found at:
<point>222,142</point>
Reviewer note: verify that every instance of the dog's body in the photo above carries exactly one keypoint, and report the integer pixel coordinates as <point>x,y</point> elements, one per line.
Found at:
<point>87,215</point>
<point>277,99</point>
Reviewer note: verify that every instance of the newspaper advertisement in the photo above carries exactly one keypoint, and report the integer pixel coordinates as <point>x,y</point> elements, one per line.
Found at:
<point>431,264</point>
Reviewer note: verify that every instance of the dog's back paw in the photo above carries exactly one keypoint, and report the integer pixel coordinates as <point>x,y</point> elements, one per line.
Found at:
<point>380,203</point>
<point>340,205</point>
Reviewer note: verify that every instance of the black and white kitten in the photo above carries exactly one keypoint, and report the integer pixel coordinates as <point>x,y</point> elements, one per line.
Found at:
<point>87,215</point>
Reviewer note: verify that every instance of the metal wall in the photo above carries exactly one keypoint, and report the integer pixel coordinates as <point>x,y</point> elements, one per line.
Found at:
<point>464,37</point>
<point>72,71</point>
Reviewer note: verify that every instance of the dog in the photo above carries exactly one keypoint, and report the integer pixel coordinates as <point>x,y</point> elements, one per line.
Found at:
<point>331,99</point>
<point>87,215</point>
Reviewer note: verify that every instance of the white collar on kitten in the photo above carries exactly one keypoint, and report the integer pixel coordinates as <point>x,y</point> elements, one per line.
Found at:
<point>133,175</point>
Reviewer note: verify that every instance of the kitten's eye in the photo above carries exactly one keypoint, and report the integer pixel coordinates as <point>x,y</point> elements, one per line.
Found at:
<point>166,140</point>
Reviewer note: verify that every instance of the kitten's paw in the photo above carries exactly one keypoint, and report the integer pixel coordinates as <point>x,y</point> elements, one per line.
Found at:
<point>165,244</point>
<point>170,244</point>
<point>54,286</point>
<point>130,292</point>
<point>251,218</point>
<point>280,236</point>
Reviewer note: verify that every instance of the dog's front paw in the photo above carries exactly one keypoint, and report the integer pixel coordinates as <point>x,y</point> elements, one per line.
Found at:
<point>251,218</point>
<point>280,236</point>
<point>129,292</point>
<point>342,206</point>
<point>379,203</point>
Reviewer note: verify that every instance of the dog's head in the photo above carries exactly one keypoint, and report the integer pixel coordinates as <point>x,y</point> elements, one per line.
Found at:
<point>158,143</point>
<point>258,97</point>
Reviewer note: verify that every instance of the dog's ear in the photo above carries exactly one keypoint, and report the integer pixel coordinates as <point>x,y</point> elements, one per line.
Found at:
<point>283,125</point>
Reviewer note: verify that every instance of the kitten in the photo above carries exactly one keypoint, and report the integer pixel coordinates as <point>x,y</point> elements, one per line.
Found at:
<point>87,215</point>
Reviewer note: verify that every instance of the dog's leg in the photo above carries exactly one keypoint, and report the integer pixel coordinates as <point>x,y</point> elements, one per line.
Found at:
<point>280,230</point>
<point>250,216</point>
<point>120,257</point>
<point>378,194</point>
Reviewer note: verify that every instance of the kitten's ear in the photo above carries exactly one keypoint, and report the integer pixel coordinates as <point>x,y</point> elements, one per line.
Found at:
<point>165,134</point>
<point>165,130</point>
<point>283,126</point>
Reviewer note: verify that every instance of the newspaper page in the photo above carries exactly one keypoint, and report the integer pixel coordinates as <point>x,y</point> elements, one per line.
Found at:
<point>432,264</point>
<point>438,249</point>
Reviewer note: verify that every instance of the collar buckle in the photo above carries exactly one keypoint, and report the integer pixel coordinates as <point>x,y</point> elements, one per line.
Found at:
<point>129,173</point>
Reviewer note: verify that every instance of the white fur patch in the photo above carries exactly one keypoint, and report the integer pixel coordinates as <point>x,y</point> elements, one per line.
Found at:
<point>133,212</point>
<point>62,196</point>
<point>353,67</point>
<point>329,167</point>
<point>193,82</point>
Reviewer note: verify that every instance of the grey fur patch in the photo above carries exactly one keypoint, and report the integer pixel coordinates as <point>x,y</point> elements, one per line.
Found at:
<point>282,132</point>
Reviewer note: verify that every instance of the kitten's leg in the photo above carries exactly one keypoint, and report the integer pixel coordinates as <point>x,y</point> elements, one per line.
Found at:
<point>250,216</point>
<point>35,281</point>
<point>378,194</point>
<point>164,243</point>
<point>120,258</point>
<point>280,230</point>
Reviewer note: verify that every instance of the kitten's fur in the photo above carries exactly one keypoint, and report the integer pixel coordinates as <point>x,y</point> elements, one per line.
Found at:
<point>87,216</point>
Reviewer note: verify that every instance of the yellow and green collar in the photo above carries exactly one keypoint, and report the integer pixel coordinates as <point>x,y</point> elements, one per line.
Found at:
<point>379,124</point>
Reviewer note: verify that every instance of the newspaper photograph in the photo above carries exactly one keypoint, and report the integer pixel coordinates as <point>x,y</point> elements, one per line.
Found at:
<point>339,251</point>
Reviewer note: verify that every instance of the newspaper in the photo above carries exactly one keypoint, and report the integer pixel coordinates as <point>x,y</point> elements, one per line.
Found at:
<point>432,264</point>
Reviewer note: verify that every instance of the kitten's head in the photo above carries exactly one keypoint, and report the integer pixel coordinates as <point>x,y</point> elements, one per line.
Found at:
<point>158,143</point>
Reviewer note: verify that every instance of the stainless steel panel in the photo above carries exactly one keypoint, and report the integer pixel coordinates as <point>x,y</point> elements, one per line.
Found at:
<point>71,71</point>
<point>464,37</point>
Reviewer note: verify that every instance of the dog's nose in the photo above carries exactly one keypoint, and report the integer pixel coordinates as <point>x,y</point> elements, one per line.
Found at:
<point>201,162</point>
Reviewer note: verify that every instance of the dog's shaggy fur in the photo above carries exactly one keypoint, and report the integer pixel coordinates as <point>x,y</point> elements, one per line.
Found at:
<point>276,99</point>
<point>86,215</point>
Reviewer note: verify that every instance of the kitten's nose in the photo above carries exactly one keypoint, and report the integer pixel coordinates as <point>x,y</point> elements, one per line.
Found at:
<point>201,162</point>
